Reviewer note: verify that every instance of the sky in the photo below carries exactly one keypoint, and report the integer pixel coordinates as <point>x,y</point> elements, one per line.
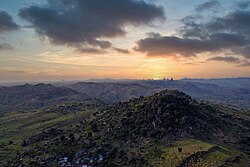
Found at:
<point>53,40</point>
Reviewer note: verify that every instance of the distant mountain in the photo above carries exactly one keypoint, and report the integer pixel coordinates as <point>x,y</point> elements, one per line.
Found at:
<point>123,91</point>
<point>239,97</point>
<point>225,82</point>
<point>167,129</point>
<point>28,97</point>
<point>112,92</point>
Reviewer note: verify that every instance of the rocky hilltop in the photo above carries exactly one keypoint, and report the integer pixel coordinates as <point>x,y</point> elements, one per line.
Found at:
<point>167,129</point>
<point>170,115</point>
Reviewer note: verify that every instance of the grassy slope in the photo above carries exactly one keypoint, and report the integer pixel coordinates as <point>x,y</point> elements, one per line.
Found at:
<point>168,156</point>
<point>18,126</point>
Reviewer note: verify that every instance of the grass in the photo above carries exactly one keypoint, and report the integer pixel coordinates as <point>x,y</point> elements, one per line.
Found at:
<point>169,156</point>
<point>19,126</point>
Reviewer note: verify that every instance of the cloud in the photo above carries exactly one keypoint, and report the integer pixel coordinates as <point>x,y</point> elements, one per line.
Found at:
<point>244,51</point>
<point>243,5</point>
<point>236,22</point>
<point>90,50</point>
<point>124,51</point>
<point>214,5</point>
<point>85,22</point>
<point>191,64</point>
<point>246,64</point>
<point>225,34</point>
<point>16,72</point>
<point>227,59</point>
<point>174,46</point>
<point>5,46</point>
<point>6,22</point>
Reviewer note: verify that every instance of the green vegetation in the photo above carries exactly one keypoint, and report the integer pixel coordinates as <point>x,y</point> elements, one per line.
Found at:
<point>168,129</point>
<point>180,151</point>
<point>20,126</point>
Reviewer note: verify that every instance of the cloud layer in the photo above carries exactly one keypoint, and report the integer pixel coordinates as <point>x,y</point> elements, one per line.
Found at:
<point>82,23</point>
<point>170,46</point>
<point>229,34</point>
<point>243,4</point>
<point>6,22</point>
<point>214,5</point>
<point>227,59</point>
<point>5,46</point>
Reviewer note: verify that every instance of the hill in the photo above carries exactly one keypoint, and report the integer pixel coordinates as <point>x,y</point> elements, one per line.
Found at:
<point>242,82</point>
<point>123,91</point>
<point>166,129</point>
<point>112,92</point>
<point>29,97</point>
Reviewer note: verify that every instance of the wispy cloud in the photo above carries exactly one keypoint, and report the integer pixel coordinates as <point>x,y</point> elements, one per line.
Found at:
<point>5,46</point>
<point>227,59</point>
<point>123,51</point>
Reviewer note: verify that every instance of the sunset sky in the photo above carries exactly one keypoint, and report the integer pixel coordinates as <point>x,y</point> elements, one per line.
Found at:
<point>123,39</point>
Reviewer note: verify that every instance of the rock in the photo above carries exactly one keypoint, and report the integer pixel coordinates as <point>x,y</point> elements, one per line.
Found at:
<point>24,143</point>
<point>11,142</point>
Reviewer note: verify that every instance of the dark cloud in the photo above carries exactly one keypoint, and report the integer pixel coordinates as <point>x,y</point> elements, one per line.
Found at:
<point>5,46</point>
<point>230,33</point>
<point>124,51</point>
<point>244,4</point>
<point>16,72</point>
<point>214,5</point>
<point>227,59</point>
<point>244,51</point>
<point>85,22</point>
<point>173,46</point>
<point>191,64</point>
<point>236,25</point>
<point>6,22</point>
<point>157,45</point>
<point>90,50</point>
<point>246,64</point>
<point>236,22</point>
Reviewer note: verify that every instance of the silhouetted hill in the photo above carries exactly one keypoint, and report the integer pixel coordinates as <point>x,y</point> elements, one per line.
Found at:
<point>112,92</point>
<point>242,82</point>
<point>28,97</point>
<point>207,92</point>
<point>123,91</point>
